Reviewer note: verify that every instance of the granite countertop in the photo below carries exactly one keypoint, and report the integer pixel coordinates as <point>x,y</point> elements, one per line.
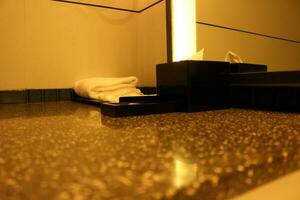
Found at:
<point>67,150</point>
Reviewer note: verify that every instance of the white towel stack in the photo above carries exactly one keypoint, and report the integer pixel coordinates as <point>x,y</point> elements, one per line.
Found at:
<point>107,89</point>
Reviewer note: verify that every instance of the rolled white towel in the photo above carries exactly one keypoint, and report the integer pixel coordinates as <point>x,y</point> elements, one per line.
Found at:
<point>107,89</point>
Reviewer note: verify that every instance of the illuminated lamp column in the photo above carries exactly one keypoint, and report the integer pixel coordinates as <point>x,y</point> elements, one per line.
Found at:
<point>183,29</point>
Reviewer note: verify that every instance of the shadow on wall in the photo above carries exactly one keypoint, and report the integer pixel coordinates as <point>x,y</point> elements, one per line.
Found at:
<point>129,8</point>
<point>116,19</point>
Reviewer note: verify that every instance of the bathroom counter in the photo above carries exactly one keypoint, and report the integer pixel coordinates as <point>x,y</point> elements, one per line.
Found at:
<point>68,150</point>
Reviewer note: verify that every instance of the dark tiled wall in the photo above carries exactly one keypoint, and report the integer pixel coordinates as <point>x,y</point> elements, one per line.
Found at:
<point>46,95</point>
<point>33,96</point>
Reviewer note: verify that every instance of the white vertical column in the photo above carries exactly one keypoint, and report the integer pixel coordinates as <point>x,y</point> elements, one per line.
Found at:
<point>183,28</point>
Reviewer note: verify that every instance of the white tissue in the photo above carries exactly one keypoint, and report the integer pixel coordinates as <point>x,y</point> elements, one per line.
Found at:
<point>232,58</point>
<point>198,56</point>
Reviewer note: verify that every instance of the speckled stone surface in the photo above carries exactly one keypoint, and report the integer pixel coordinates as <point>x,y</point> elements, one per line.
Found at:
<point>67,150</point>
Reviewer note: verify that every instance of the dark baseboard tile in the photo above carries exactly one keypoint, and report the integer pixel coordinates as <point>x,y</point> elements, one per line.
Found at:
<point>35,95</point>
<point>13,96</point>
<point>65,94</point>
<point>47,95</point>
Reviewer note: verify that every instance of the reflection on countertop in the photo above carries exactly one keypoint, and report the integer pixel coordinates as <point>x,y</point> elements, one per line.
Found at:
<point>67,150</point>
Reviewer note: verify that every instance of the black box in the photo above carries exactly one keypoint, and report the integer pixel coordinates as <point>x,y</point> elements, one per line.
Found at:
<point>247,67</point>
<point>266,79</point>
<point>266,90</point>
<point>196,85</point>
<point>129,109</point>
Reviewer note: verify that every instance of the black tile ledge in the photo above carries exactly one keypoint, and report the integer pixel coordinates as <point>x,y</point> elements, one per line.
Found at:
<point>35,95</point>
<point>17,96</point>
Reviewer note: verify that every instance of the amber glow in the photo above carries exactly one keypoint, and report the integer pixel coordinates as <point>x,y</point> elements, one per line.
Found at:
<point>183,28</point>
<point>185,173</point>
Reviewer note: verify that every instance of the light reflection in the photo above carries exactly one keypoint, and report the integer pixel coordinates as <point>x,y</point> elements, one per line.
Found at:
<point>185,172</point>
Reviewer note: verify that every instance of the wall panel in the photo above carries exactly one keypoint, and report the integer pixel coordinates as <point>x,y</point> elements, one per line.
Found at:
<point>270,18</point>
<point>49,44</point>
<point>152,43</point>
<point>278,55</point>
<point>12,58</point>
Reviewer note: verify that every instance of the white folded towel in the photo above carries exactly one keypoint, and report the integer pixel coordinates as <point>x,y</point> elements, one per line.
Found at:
<point>107,89</point>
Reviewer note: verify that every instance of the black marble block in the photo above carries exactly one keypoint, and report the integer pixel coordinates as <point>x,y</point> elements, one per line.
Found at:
<point>266,79</point>
<point>247,67</point>
<point>278,91</point>
<point>129,109</point>
<point>197,85</point>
